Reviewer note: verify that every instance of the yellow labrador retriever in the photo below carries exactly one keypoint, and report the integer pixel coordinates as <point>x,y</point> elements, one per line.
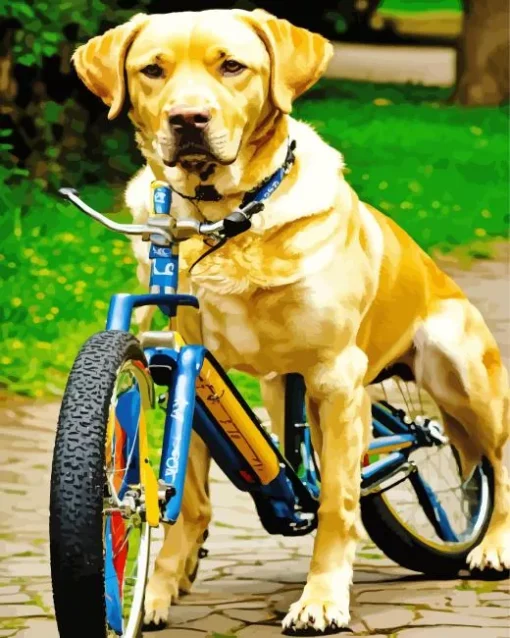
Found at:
<point>323,284</point>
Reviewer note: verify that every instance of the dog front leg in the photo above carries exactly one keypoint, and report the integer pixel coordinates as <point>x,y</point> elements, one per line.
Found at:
<point>343,408</point>
<point>178,557</point>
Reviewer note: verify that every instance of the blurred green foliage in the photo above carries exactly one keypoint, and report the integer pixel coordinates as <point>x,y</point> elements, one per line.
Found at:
<point>46,25</point>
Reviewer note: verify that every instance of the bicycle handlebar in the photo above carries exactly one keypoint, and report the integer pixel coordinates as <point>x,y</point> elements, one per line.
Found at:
<point>163,230</point>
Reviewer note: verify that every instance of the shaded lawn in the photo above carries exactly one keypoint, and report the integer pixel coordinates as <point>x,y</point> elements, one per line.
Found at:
<point>441,172</point>
<point>396,7</point>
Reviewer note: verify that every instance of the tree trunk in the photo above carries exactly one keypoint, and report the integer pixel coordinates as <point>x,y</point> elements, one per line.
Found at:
<point>483,54</point>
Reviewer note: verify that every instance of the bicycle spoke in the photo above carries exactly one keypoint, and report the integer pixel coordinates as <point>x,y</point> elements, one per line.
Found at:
<point>384,391</point>
<point>408,408</point>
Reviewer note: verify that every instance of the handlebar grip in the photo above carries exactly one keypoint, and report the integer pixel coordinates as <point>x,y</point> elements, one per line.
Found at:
<point>65,192</point>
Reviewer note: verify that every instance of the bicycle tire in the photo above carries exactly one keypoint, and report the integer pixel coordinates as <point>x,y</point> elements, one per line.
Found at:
<point>398,542</point>
<point>77,484</point>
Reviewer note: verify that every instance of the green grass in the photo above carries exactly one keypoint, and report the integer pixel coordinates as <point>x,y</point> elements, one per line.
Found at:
<point>441,172</point>
<point>418,6</point>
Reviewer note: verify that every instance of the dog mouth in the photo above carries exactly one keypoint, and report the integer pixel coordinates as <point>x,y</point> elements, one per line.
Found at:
<point>190,152</point>
<point>193,151</point>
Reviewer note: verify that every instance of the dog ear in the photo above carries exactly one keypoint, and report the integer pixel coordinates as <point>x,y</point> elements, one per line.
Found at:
<point>298,56</point>
<point>100,63</point>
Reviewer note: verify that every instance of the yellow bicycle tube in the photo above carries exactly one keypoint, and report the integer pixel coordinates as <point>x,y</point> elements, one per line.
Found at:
<point>147,475</point>
<point>230,415</point>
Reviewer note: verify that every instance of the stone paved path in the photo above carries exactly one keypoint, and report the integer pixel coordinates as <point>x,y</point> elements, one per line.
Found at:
<point>249,578</point>
<point>426,65</point>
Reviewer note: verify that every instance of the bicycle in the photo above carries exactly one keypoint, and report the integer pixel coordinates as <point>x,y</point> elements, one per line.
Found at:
<point>106,496</point>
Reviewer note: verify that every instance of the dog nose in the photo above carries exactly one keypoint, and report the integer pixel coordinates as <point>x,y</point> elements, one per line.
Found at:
<point>184,117</point>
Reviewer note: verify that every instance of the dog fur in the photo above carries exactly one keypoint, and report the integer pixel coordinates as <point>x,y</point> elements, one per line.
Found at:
<point>323,284</point>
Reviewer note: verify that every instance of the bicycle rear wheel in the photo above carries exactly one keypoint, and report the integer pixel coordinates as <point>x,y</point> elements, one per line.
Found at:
<point>432,520</point>
<point>99,539</point>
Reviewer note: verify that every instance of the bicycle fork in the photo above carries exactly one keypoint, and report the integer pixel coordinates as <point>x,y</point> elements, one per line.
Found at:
<point>202,397</point>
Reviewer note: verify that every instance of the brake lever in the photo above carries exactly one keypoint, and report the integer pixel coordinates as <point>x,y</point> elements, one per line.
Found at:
<point>240,220</point>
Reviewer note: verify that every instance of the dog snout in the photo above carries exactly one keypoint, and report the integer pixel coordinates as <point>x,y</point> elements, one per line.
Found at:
<point>184,118</point>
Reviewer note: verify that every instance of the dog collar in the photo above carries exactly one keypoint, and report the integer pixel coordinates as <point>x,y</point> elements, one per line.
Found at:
<point>239,221</point>
<point>208,193</point>
<point>271,183</point>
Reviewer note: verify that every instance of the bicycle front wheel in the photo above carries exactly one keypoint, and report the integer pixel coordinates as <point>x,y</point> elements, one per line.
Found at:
<point>99,538</point>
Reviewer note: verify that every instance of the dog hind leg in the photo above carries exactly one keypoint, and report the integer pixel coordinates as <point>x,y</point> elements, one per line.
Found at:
<point>458,363</point>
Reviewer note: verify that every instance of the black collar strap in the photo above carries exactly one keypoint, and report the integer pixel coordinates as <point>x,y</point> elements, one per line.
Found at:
<point>274,180</point>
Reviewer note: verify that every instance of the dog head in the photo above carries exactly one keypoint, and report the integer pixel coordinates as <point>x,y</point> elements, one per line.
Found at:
<point>201,84</point>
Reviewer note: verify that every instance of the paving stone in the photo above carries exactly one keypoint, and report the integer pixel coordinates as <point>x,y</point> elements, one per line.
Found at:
<point>8,590</point>
<point>39,629</point>
<point>457,618</point>
<point>490,612</point>
<point>14,599</point>
<point>185,613</point>
<point>175,633</point>
<point>240,586</point>
<point>461,598</point>
<point>200,596</point>
<point>20,611</point>
<point>412,584</point>
<point>281,602</point>
<point>254,604</point>
<point>386,618</point>
<point>292,571</point>
<point>26,568</point>
<point>356,624</point>
<point>260,631</point>
<point>362,577</point>
<point>430,598</point>
<point>9,548</point>
<point>250,615</point>
<point>448,632</point>
<point>211,564</point>
<point>216,623</point>
<point>39,585</point>
<point>492,597</point>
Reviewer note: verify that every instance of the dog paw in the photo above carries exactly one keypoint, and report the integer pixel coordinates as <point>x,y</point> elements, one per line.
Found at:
<point>157,605</point>
<point>156,619</point>
<point>493,554</point>
<point>308,617</point>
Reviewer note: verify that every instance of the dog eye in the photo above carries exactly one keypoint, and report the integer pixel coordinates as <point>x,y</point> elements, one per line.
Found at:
<point>232,67</point>
<point>153,71</point>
